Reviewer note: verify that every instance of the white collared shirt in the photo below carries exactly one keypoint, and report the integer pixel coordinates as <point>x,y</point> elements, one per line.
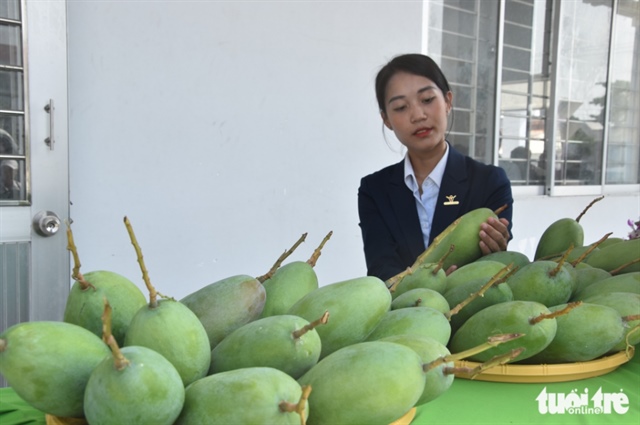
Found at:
<point>425,203</point>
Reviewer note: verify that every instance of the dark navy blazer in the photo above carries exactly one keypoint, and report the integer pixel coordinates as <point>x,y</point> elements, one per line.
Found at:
<point>389,221</point>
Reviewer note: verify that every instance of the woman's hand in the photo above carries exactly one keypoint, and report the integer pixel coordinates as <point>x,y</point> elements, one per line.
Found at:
<point>494,235</point>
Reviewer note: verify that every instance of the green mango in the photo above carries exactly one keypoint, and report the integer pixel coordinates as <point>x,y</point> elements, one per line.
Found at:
<point>437,380</point>
<point>626,304</point>
<point>421,297</point>
<point>628,282</point>
<point>355,307</point>
<point>607,242</point>
<point>518,259</point>
<point>140,387</point>
<point>616,255</point>
<point>587,332</point>
<point>558,237</point>
<point>423,321</point>
<point>84,304</point>
<point>284,342</point>
<point>543,281</point>
<point>48,364</point>
<point>585,276</point>
<point>428,275</point>
<point>287,285</point>
<point>495,294</point>
<point>372,382</point>
<point>174,331</point>
<point>225,305</point>
<point>248,396</point>
<point>472,271</point>
<point>464,235</point>
<point>519,317</point>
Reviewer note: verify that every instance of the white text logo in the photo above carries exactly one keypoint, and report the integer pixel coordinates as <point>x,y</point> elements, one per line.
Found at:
<point>576,404</point>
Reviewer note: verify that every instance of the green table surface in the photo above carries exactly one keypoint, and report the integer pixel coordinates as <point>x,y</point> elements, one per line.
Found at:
<point>474,402</point>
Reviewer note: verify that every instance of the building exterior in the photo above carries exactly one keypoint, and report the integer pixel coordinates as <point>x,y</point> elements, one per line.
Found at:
<point>224,130</point>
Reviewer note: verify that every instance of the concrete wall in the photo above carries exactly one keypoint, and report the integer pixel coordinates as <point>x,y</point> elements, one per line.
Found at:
<point>225,130</point>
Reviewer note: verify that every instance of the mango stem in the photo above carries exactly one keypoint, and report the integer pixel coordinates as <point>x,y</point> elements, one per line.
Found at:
<point>498,277</point>
<point>316,253</point>
<point>494,361</point>
<point>555,314</point>
<point>589,206</point>
<point>492,341</point>
<point>120,361</point>
<point>502,208</point>
<point>281,259</point>
<point>590,250</point>
<point>624,266</point>
<point>3,344</point>
<point>153,295</point>
<point>561,261</point>
<point>441,262</point>
<point>76,275</point>
<point>321,321</point>
<point>298,407</point>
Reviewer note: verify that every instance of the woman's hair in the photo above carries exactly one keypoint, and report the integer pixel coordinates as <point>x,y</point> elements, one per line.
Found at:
<point>412,63</point>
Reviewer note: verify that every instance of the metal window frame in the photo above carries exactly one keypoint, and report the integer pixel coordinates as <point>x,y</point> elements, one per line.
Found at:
<point>26,108</point>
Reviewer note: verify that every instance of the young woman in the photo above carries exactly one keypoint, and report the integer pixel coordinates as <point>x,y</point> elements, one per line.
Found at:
<point>404,206</point>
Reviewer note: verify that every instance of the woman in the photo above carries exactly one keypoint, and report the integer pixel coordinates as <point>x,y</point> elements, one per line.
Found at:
<point>403,207</point>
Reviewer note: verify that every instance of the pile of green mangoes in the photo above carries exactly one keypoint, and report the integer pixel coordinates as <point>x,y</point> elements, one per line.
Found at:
<point>280,349</point>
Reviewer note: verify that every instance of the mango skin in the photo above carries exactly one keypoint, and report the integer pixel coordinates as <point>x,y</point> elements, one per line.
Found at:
<point>585,276</point>
<point>371,383</point>
<point>355,307</point>
<point>249,396</point>
<point>149,390</point>
<point>518,259</point>
<point>534,282</point>
<point>615,255</point>
<point>84,307</point>
<point>585,333</point>
<point>174,331</point>
<point>495,294</point>
<point>558,237</point>
<point>472,271</point>
<point>464,234</point>
<point>288,284</point>
<point>225,305</point>
<point>48,364</point>
<point>628,282</point>
<point>269,342</point>
<point>425,276</point>
<point>506,318</point>
<point>422,321</point>
<point>437,382</point>
<point>421,297</point>
<point>626,304</point>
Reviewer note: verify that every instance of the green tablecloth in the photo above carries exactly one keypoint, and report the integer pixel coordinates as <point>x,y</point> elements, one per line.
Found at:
<point>473,402</point>
<point>480,402</point>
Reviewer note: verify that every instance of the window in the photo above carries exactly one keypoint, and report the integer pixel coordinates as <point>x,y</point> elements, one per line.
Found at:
<point>549,91</point>
<point>13,146</point>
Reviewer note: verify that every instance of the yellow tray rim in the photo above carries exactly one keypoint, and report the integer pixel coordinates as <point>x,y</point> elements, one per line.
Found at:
<point>560,372</point>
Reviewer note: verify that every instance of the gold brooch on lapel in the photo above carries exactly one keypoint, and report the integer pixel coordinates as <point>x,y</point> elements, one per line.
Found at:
<point>451,200</point>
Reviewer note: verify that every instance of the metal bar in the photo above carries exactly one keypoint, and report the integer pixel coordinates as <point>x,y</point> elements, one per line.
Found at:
<point>607,98</point>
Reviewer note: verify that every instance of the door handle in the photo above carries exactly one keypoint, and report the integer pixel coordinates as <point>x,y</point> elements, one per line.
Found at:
<point>46,223</point>
<point>49,141</point>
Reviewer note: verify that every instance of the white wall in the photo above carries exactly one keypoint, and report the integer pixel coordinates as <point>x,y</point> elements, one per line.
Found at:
<point>225,130</point>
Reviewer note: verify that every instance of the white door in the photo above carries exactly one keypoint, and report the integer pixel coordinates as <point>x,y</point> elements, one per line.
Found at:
<point>34,263</point>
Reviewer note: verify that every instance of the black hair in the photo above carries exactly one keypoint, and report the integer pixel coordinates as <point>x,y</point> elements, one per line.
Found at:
<point>412,63</point>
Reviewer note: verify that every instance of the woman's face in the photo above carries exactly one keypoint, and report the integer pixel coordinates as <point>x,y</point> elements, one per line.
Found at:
<point>416,111</point>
